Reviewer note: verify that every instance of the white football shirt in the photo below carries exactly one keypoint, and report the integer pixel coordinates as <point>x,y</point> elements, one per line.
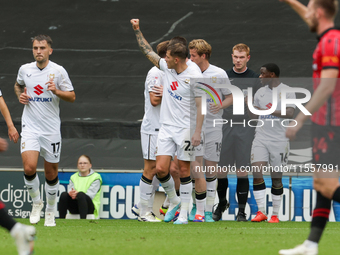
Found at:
<point>150,124</point>
<point>193,65</point>
<point>178,106</point>
<point>0,94</point>
<point>272,129</point>
<point>41,114</point>
<point>214,75</point>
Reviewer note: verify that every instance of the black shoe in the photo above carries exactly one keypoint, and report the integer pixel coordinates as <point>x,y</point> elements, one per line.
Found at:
<point>217,213</point>
<point>241,216</point>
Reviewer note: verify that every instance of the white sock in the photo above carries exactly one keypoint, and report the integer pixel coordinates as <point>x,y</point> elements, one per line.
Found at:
<point>51,196</point>
<point>33,189</point>
<point>155,186</point>
<point>15,229</point>
<point>185,191</point>
<point>211,194</point>
<point>193,194</point>
<point>200,204</point>
<point>260,198</point>
<point>145,194</point>
<point>169,187</point>
<point>166,202</point>
<point>276,203</point>
<point>310,244</point>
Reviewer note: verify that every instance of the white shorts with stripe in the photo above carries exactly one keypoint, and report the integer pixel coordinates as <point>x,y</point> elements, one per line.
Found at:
<point>149,145</point>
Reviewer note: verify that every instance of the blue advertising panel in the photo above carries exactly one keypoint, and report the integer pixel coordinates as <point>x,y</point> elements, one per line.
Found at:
<point>120,191</point>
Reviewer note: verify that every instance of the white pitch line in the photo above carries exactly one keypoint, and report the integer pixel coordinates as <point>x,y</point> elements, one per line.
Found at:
<point>172,28</point>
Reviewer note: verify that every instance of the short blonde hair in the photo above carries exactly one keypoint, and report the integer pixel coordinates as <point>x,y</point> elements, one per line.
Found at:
<point>201,46</point>
<point>242,47</point>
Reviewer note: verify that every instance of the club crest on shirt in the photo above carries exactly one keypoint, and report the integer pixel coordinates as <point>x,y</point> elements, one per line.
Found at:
<point>51,76</point>
<point>187,81</point>
<point>214,79</point>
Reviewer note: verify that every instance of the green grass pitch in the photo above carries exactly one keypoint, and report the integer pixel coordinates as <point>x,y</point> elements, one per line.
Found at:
<point>132,237</point>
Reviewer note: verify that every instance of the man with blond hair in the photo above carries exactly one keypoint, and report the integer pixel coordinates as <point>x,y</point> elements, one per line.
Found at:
<point>205,188</point>
<point>237,137</point>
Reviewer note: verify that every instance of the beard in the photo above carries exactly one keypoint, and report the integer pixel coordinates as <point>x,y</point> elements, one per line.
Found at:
<point>313,25</point>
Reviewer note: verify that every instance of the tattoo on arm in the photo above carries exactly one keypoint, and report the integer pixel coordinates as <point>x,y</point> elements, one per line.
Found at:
<point>146,49</point>
<point>18,89</point>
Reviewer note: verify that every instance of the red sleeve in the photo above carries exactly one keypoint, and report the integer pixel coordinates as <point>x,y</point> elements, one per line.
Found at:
<point>330,52</point>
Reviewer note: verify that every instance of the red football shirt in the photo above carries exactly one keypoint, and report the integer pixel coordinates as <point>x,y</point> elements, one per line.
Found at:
<point>325,56</point>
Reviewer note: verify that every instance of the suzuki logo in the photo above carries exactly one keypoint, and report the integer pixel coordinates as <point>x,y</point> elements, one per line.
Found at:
<point>39,90</point>
<point>174,85</point>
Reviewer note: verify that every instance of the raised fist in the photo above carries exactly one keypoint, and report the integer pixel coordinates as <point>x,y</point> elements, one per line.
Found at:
<point>135,24</point>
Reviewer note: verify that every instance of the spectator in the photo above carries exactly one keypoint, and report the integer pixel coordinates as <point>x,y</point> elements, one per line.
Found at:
<point>84,195</point>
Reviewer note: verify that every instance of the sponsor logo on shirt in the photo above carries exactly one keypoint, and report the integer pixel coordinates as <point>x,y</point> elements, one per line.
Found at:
<point>38,90</point>
<point>174,85</point>
<point>269,106</point>
<point>174,95</point>
<point>41,99</point>
<point>264,117</point>
<point>328,59</point>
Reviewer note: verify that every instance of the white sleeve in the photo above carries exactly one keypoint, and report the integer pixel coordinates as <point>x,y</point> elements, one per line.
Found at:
<point>163,65</point>
<point>70,186</point>
<point>256,99</point>
<point>198,89</point>
<point>153,79</point>
<point>225,81</point>
<point>0,94</point>
<point>65,83</point>
<point>20,77</point>
<point>291,96</point>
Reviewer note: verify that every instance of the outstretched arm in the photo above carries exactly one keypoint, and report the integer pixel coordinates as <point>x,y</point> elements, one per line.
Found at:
<point>298,7</point>
<point>144,45</point>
